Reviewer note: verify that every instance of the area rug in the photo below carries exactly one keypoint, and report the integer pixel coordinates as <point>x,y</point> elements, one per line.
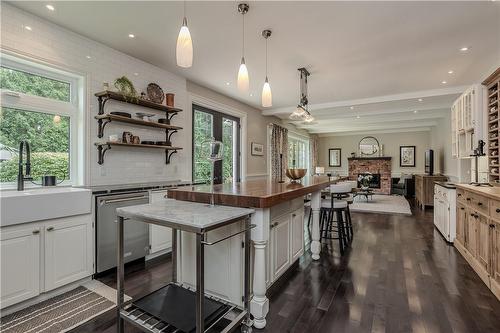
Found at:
<point>382,204</point>
<point>63,312</point>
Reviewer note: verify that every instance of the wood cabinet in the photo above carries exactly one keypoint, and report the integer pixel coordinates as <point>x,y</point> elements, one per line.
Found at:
<point>160,238</point>
<point>424,189</point>
<point>478,233</point>
<point>68,251</point>
<point>20,264</point>
<point>461,222</point>
<point>39,257</point>
<point>491,111</point>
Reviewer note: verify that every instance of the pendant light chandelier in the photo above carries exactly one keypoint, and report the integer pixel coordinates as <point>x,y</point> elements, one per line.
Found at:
<point>302,111</point>
<point>243,81</point>
<point>267,96</point>
<point>184,50</point>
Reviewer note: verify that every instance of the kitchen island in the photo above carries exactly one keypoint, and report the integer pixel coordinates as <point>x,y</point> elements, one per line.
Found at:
<point>278,238</point>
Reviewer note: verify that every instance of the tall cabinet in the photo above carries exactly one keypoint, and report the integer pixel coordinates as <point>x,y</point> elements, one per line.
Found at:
<point>467,122</point>
<point>492,84</point>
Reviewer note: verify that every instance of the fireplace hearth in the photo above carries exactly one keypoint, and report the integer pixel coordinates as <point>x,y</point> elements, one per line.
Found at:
<point>374,183</point>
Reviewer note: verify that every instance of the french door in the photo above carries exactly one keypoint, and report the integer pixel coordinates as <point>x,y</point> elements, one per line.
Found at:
<point>209,123</point>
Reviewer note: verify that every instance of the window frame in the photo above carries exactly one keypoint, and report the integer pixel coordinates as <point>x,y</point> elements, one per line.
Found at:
<point>72,109</point>
<point>305,141</point>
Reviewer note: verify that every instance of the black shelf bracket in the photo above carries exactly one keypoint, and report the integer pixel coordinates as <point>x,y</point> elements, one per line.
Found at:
<point>100,127</point>
<point>101,150</point>
<point>102,101</point>
<point>170,133</point>
<point>168,155</point>
<point>170,116</point>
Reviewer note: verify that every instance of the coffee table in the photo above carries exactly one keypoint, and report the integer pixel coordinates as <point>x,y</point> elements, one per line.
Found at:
<point>368,194</point>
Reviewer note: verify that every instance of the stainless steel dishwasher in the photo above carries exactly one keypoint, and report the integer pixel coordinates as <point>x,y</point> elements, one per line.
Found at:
<point>135,234</point>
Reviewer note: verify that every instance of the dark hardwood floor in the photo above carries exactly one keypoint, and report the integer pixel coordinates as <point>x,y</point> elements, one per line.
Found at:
<point>399,276</point>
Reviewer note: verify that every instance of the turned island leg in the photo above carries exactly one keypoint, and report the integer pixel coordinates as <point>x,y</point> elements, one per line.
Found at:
<point>315,206</point>
<point>259,305</point>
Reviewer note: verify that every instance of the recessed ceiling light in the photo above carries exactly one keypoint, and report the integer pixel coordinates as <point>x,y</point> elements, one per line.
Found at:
<point>464,49</point>
<point>88,57</point>
<point>131,35</point>
<point>50,7</point>
<point>251,95</point>
<point>352,107</point>
<point>416,111</point>
<point>450,72</point>
<point>27,27</point>
<point>136,74</point>
<point>227,83</point>
<point>444,82</point>
<point>357,117</point>
<point>420,99</point>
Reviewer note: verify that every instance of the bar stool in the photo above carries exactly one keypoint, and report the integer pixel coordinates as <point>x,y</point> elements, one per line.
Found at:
<point>336,206</point>
<point>350,200</point>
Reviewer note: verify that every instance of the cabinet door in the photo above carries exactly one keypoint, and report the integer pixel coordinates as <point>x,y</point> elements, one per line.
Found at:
<point>471,244</point>
<point>281,245</point>
<point>297,234</point>
<point>495,269</point>
<point>461,218</point>
<point>483,241</point>
<point>20,264</point>
<point>160,238</point>
<point>68,250</point>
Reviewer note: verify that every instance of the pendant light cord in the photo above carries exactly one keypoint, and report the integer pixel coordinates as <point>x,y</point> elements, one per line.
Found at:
<point>184,8</point>
<point>266,57</point>
<point>243,46</point>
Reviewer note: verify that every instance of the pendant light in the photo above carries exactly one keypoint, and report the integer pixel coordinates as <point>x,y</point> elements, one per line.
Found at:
<point>267,96</point>
<point>243,81</point>
<point>184,50</point>
<point>302,111</point>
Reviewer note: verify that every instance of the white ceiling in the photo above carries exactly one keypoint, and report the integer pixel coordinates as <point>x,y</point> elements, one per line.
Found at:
<point>378,56</point>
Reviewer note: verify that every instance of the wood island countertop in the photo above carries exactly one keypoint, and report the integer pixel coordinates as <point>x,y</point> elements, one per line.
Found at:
<point>487,191</point>
<point>263,193</point>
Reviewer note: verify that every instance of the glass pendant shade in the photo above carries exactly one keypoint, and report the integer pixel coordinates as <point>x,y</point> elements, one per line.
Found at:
<point>243,81</point>
<point>298,114</point>
<point>267,96</point>
<point>308,118</point>
<point>184,50</point>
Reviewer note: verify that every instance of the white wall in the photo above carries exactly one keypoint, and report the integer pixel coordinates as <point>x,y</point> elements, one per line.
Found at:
<point>391,143</point>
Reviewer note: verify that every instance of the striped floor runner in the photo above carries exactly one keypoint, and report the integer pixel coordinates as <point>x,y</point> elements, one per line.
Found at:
<point>60,313</point>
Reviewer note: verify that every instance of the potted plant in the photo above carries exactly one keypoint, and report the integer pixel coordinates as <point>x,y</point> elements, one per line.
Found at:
<point>365,180</point>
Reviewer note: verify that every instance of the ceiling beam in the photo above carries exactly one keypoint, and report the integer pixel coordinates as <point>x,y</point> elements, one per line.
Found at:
<point>382,126</point>
<point>396,130</point>
<point>372,100</point>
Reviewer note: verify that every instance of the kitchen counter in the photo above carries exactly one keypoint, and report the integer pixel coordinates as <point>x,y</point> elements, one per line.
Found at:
<point>101,189</point>
<point>254,193</point>
<point>487,191</point>
<point>450,186</point>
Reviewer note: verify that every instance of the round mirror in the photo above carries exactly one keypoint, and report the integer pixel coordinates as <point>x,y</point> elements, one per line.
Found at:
<point>368,146</point>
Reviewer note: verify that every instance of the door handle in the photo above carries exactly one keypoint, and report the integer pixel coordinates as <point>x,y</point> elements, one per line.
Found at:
<point>122,200</point>
<point>50,228</point>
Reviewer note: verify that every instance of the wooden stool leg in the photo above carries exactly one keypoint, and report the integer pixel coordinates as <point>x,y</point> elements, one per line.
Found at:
<point>340,229</point>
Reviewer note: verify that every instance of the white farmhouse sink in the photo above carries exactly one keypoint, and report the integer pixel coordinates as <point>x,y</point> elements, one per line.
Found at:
<point>42,204</point>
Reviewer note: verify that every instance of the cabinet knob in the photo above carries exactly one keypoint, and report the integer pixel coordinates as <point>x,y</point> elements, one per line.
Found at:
<point>492,225</point>
<point>293,215</point>
<point>462,208</point>
<point>274,225</point>
<point>459,194</point>
<point>468,199</point>
<point>497,210</point>
<point>36,232</point>
<point>479,203</point>
<point>50,228</point>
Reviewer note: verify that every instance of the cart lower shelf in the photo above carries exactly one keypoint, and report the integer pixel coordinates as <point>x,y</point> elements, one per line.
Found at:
<point>173,309</point>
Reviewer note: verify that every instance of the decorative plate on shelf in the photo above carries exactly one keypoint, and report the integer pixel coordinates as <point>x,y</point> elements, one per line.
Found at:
<point>155,93</point>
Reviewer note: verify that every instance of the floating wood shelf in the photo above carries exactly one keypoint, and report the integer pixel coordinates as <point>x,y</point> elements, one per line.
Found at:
<point>103,147</point>
<point>105,119</point>
<point>104,96</point>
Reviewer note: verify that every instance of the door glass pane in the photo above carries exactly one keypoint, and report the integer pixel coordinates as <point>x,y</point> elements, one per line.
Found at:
<point>202,131</point>
<point>33,84</point>
<point>229,136</point>
<point>48,136</point>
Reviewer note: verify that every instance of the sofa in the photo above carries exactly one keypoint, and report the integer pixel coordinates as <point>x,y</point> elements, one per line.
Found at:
<point>404,185</point>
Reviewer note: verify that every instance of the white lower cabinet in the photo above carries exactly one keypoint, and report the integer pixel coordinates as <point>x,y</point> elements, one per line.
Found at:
<point>160,238</point>
<point>297,234</point>
<point>20,264</point>
<point>280,242</point>
<point>68,252</point>
<point>38,257</point>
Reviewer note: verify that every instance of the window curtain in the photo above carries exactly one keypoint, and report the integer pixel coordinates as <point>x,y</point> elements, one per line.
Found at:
<point>279,145</point>
<point>313,150</point>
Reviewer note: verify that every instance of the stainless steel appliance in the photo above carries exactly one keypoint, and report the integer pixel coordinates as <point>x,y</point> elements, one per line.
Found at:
<point>136,235</point>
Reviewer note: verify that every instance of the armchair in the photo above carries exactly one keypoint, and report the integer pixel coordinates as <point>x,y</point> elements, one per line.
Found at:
<point>403,186</point>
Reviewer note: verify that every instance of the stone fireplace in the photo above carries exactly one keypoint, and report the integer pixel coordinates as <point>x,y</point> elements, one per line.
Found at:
<point>380,167</point>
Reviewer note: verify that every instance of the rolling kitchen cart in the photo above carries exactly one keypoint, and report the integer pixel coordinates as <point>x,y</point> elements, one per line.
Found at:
<point>177,307</point>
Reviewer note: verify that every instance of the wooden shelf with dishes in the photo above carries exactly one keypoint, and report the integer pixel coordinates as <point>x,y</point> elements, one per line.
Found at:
<point>492,84</point>
<point>105,118</point>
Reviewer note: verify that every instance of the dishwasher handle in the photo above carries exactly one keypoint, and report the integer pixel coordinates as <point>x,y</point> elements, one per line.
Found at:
<point>123,200</point>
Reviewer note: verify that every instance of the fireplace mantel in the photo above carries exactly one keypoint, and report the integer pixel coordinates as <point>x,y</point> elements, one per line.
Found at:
<point>385,158</point>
